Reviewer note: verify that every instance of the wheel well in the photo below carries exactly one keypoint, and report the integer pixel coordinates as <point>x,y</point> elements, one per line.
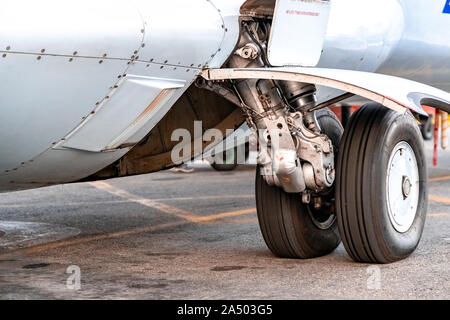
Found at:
<point>153,153</point>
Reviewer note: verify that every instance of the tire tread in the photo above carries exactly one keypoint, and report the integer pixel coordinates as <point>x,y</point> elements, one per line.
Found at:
<point>357,201</point>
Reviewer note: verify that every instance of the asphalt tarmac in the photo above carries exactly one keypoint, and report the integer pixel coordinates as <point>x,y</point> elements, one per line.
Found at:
<point>192,235</point>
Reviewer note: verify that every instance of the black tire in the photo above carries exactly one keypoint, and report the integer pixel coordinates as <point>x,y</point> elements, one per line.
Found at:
<point>345,114</point>
<point>361,185</point>
<point>227,164</point>
<point>427,128</point>
<point>290,228</point>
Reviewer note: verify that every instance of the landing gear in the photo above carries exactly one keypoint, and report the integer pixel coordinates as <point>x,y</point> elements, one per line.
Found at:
<point>375,195</point>
<point>381,185</point>
<point>292,229</point>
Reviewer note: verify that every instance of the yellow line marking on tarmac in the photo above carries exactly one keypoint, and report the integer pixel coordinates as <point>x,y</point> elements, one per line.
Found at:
<point>222,196</point>
<point>443,200</point>
<point>119,234</point>
<point>242,220</point>
<point>214,197</point>
<point>437,179</point>
<point>438,215</point>
<point>189,216</point>
<point>69,204</point>
<point>223,215</point>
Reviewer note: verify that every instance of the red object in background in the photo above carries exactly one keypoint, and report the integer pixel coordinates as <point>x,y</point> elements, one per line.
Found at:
<point>429,110</point>
<point>338,111</point>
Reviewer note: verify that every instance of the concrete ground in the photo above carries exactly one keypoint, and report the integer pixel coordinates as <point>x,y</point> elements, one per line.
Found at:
<point>175,235</point>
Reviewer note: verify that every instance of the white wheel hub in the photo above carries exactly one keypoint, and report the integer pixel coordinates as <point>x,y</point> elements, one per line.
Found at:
<point>402,187</point>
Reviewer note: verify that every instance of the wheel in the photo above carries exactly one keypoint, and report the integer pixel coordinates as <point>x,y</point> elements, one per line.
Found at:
<point>427,128</point>
<point>228,159</point>
<point>290,228</point>
<point>381,185</point>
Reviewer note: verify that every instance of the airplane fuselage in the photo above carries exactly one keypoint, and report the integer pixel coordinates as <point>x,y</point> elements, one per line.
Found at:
<point>79,89</point>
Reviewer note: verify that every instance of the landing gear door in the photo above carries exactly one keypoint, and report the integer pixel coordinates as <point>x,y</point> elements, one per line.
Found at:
<point>298,32</point>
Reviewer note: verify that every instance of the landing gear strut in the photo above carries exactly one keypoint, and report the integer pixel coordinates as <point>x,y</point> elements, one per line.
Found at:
<point>291,228</point>
<point>374,196</point>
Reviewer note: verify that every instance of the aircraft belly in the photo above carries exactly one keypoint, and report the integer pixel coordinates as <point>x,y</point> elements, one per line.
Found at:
<point>57,166</point>
<point>75,107</point>
<point>81,153</point>
<point>42,100</point>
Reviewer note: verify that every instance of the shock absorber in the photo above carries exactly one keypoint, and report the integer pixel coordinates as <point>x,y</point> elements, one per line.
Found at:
<point>266,96</point>
<point>301,97</point>
<point>282,111</point>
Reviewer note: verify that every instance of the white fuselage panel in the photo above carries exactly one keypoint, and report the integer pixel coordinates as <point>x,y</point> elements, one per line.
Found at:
<point>80,82</point>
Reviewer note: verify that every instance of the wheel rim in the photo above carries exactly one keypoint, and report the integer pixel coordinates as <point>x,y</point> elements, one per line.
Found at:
<point>323,223</point>
<point>402,187</point>
<point>324,217</point>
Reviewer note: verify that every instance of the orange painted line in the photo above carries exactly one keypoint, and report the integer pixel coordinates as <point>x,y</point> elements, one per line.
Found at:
<point>124,233</point>
<point>222,215</point>
<point>242,220</point>
<point>438,215</point>
<point>214,197</point>
<point>186,215</point>
<point>439,199</point>
<point>437,179</point>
